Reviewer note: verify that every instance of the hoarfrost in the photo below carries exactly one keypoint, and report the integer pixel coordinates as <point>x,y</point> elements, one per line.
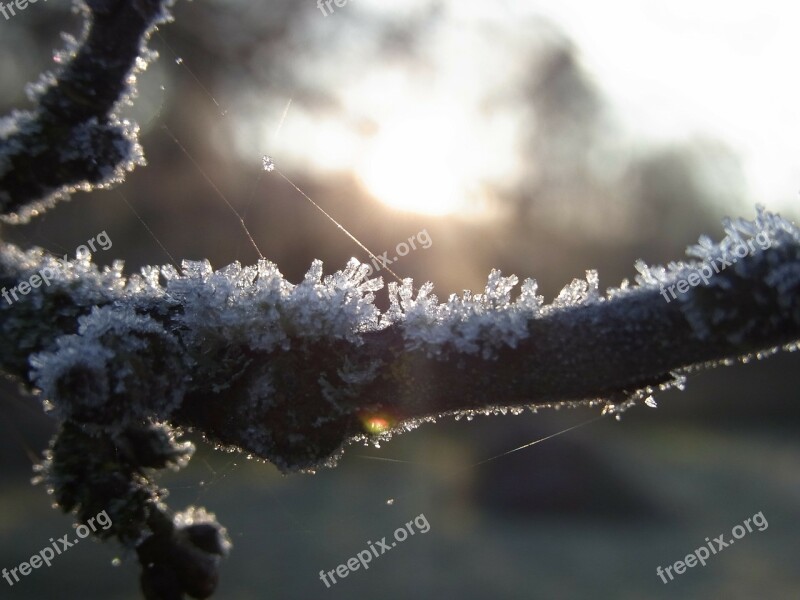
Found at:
<point>258,306</point>
<point>218,320</point>
<point>579,292</point>
<point>95,376</point>
<point>97,149</point>
<point>479,324</point>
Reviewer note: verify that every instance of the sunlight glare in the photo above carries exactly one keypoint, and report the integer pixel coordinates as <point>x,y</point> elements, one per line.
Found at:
<point>419,163</point>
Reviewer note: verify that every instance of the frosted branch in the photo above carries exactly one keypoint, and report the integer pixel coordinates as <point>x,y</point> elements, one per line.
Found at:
<point>293,372</point>
<point>73,139</point>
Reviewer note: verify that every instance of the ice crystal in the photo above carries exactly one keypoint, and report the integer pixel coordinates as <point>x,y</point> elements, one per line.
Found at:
<point>246,330</point>
<point>257,306</point>
<point>95,150</point>
<point>107,374</point>
<point>470,324</point>
<point>579,292</point>
<point>743,238</point>
<point>203,530</point>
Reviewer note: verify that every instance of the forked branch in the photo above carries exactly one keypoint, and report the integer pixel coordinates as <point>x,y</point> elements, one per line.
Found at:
<point>293,373</point>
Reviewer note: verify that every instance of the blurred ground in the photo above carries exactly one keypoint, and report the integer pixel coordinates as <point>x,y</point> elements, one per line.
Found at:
<point>692,482</point>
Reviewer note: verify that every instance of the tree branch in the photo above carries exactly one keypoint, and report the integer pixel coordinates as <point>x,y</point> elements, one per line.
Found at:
<point>293,373</point>
<point>73,140</point>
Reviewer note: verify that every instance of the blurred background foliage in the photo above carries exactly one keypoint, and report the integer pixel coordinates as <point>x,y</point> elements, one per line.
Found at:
<point>489,128</point>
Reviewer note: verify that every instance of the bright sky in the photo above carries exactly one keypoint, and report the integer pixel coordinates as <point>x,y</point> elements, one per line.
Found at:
<point>670,72</point>
<point>726,69</point>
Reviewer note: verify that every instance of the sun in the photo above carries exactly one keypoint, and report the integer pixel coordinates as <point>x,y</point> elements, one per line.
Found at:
<point>420,163</point>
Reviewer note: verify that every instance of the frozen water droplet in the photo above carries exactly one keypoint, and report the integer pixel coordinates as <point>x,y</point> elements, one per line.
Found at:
<point>651,402</point>
<point>116,562</point>
<point>179,61</point>
<point>162,88</point>
<point>618,417</point>
<point>390,501</point>
<point>267,163</point>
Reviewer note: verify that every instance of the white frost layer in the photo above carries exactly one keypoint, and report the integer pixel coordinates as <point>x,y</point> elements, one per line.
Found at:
<point>257,307</point>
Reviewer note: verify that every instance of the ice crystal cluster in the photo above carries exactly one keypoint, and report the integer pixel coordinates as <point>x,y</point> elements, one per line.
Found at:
<point>286,357</point>
<point>468,324</point>
<point>768,279</point>
<point>258,307</point>
<point>75,124</point>
<point>144,342</point>
<point>87,473</point>
<point>183,556</point>
<point>92,377</point>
